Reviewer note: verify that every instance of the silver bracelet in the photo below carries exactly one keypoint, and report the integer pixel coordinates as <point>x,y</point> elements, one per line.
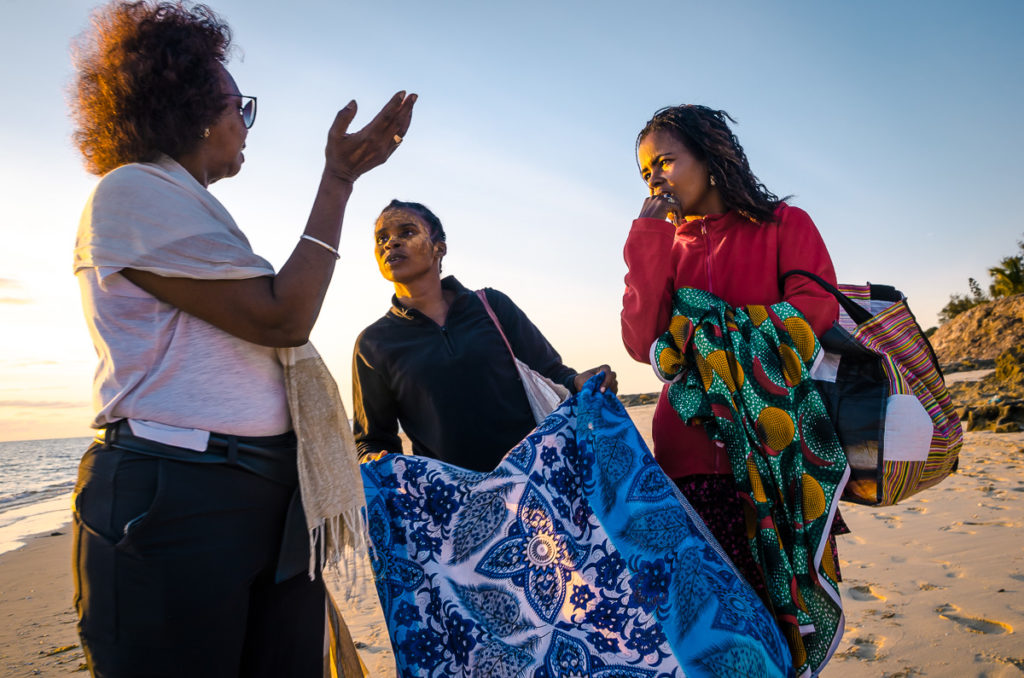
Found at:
<point>322,244</point>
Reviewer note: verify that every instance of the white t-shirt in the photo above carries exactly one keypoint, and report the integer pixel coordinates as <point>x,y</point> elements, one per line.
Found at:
<point>157,363</point>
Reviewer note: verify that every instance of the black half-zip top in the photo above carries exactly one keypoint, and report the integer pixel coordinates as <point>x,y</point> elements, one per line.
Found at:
<point>453,388</point>
<point>418,316</point>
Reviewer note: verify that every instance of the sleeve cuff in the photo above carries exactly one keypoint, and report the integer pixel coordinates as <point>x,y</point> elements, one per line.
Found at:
<point>648,225</point>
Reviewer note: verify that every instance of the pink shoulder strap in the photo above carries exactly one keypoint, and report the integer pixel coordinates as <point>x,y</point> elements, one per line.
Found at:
<point>490,312</point>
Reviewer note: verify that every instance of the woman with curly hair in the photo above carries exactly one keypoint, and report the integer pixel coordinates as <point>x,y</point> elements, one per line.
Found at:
<point>710,224</point>
<point>195,553</point>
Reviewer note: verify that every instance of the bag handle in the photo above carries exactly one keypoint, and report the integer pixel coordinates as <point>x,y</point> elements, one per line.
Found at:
<point>856,312</point>
<point>490,312</point>
<point>859,314</point>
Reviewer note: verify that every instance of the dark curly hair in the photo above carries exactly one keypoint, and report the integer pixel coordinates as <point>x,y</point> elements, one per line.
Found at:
<point>147,82</point>
<point>706,134</point>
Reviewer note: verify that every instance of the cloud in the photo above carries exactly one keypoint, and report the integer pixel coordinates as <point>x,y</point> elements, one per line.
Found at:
<point>43,404</point>
<point>14,301</point>
<point>9,282</point>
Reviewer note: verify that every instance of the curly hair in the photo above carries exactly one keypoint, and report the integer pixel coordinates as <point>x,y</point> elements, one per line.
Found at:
<point>148,81</point>
<point>706,134</point>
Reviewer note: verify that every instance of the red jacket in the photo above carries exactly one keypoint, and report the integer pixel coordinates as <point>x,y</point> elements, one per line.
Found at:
<point>739,261</point>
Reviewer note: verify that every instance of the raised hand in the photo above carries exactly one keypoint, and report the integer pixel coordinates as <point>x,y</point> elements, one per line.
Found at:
<point>660,206</point>
<point>349,155</point>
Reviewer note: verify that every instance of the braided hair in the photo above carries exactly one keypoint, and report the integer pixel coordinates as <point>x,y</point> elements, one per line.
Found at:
<point>434,225</point>
<point>423,212</point>
<point>706,134</point>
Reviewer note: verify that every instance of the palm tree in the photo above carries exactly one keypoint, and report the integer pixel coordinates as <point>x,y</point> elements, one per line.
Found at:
<point>1007,277</point>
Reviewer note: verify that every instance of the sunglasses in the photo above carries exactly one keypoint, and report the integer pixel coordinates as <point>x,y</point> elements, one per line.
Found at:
<point>247,109</point>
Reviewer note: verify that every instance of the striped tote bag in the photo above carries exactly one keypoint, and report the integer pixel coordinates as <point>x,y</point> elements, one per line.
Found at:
<point>885,394</point>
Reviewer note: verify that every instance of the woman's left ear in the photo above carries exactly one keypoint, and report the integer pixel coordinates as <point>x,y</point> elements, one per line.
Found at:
<point>442,249</point>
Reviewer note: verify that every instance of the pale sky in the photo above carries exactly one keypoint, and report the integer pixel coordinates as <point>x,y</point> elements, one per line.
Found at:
<point>895,125</point>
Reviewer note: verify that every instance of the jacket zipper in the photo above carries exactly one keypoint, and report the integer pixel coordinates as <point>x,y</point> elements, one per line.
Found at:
<point>719,451</point>
<point>707,254</point>
<point>447,341</point>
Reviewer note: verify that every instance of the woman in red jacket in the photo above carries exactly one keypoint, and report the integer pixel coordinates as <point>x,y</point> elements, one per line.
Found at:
<point>709,223</point>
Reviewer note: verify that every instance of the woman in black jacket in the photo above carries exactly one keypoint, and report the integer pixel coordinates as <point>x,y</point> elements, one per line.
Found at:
<point>436,363</point>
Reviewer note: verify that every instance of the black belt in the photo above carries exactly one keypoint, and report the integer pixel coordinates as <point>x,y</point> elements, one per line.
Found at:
<point>270,457</point>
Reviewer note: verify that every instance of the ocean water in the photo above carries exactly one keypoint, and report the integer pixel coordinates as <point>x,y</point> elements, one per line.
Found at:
<point>36,480</point>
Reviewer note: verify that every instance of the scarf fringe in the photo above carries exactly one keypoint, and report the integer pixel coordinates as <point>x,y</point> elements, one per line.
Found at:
<point>340,544</point>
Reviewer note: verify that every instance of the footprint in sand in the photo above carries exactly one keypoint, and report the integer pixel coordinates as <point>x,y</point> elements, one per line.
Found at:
<point>891,521</point>
<point>1017,662</point>
<point>974,624</point>
<point>904,672</point>
<point>865,647</point>
<point>916,509</point>
<point>865,592</point>
<point>957,527</point>
<point>951,570</point>
<point>992,491</point>
<point>1017,577</point>
<point>997,523</point>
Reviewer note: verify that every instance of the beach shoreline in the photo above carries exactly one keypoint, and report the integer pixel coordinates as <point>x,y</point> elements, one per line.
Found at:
<point>37,618</point>
<point>932,587</point>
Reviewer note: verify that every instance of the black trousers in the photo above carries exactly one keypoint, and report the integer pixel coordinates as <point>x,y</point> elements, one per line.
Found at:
<point>175,567</point>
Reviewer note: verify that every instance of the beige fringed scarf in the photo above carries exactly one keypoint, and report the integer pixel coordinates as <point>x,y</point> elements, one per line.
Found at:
<point>156,217</point>
<point>329,478</point>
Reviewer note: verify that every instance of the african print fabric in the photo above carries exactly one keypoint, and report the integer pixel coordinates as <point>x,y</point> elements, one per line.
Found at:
<point>743,373</point>
<point>576,556</point>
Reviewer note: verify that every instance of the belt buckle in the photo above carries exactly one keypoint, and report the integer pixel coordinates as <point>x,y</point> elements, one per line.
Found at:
<point>106,434</point>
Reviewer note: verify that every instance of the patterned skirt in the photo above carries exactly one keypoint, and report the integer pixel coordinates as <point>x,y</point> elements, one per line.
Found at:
<point>714,497</point>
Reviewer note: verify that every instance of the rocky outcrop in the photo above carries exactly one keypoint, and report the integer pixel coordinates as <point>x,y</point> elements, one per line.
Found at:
<point>990,336</point>
<point>995,403</point>
<point>635,399</point>
<point>981,333</point>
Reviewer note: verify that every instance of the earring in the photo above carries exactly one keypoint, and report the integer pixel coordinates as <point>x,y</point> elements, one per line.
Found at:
<point>206,132</point>
<point>712,179</point>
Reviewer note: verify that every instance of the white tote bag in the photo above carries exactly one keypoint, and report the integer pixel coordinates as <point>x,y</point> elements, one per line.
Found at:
<point>544,395</point>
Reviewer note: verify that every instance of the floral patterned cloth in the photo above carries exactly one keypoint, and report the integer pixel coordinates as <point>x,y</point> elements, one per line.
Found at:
<point>743,373</point>
<point>576,556</point>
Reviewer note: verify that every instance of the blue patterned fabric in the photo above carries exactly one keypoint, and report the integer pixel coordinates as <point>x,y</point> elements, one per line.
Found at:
<point>577,556</point>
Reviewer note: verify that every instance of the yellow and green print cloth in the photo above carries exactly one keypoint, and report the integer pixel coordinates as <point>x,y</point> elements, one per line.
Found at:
<point>742,373</point>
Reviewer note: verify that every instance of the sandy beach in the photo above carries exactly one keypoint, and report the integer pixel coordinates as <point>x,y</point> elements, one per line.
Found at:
<point>932,587</point>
